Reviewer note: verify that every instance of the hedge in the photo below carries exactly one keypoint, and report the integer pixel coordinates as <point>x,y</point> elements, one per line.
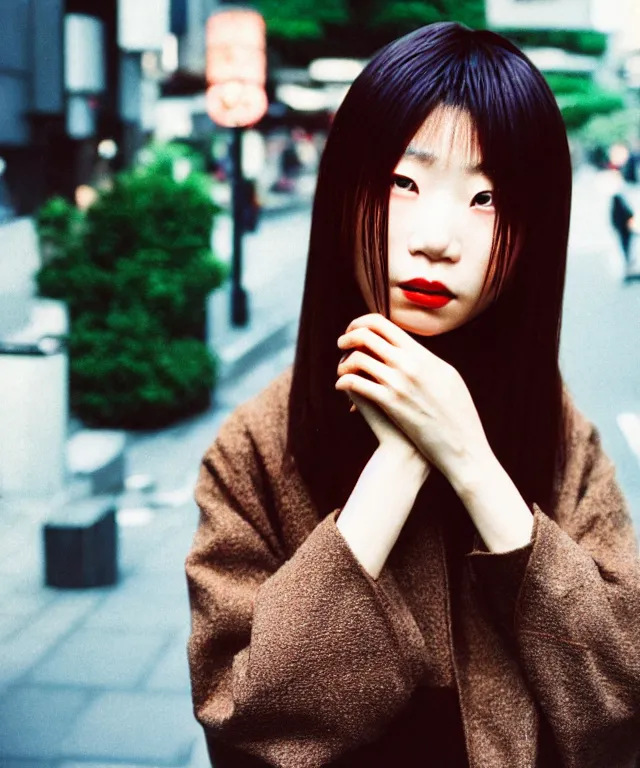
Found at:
<point>135,270</point>
<point>582,41</point>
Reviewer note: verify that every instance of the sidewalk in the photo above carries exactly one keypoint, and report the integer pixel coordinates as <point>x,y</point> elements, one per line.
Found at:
<point>270,264</point>
<point>99,678</point>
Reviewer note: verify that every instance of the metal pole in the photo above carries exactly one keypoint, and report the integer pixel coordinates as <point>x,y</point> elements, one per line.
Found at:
<point>239,303</point>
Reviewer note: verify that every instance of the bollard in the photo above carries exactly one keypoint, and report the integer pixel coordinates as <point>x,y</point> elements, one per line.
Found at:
<point>81,545</point>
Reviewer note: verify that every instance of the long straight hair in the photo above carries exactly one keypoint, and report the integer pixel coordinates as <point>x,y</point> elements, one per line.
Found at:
<point>507,355</point>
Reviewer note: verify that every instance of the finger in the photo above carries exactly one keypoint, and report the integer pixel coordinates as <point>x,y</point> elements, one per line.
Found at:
<point>354,384</point>
<point>384,327</point>
<point>366,407</point>
<point>362,362</point>
<point>365,337</point>
<point>356,400</point>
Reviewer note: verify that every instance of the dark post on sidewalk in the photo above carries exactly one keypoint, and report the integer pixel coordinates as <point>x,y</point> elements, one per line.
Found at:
<point>239,303</point>
<point>236,99</point>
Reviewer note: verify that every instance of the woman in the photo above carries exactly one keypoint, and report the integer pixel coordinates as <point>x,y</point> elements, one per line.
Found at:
<point>448,577</point>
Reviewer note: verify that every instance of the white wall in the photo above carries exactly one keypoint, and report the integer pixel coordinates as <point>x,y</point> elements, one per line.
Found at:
<point>142,24</point>
<point>34,408</point>
<point>33,424</point>
<point>628,36</point>
<point>19,261</point>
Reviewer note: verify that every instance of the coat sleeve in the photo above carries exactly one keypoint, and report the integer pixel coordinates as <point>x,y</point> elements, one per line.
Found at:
<point>296,661</point>
<point>571,602</point>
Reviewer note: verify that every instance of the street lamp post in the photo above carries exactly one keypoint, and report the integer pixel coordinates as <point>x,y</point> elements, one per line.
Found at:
<point>239,303</point>
<point>236,99</point>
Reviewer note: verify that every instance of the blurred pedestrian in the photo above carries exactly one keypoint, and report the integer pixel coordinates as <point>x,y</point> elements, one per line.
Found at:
<point>622,214</point>
<point>448,576</point>
<point>305,149</point>
<point>290,165</point>
<point>630,169</point>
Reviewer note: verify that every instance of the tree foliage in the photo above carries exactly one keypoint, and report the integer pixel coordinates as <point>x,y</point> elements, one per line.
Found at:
<point>301,30</point>
<point>403,16</point>
<point>580,98</point>
<point>302,19</point>
<point>582,41</point>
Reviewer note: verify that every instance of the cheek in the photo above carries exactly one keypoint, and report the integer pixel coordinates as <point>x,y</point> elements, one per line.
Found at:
<point>399,217</point>
<point>479,245</point>
<point>399,229</point>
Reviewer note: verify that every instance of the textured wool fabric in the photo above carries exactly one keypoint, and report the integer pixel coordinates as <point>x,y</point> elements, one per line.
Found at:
<point>299,658</point>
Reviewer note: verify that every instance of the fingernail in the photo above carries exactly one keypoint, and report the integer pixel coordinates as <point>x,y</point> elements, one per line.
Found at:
<point>344,357</point>
<point>353,408</point>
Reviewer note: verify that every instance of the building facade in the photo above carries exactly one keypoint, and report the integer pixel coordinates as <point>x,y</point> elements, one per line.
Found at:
<point>72,74</point>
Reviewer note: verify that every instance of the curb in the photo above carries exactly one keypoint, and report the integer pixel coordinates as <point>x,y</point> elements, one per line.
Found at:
<point>251,348</point>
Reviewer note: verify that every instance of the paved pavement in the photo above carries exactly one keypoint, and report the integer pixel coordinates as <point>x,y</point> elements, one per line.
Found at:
<point>98,678</point>
<point>600,350</point>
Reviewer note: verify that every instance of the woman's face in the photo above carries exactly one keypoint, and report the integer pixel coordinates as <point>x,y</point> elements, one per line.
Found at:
<point>441,221</point>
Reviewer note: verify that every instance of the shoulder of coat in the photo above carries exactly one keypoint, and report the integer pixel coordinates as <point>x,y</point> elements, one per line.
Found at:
<point>263,418</point>
<point>580,428</point>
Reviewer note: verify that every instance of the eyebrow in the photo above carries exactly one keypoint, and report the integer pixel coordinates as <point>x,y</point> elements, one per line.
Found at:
<point>427,157</point>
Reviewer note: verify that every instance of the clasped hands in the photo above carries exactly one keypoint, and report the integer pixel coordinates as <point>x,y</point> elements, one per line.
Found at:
<point>411,399</point>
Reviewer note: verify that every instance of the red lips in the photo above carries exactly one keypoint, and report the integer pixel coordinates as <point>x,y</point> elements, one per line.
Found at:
<point>431,295</point>
<point>425,286</point>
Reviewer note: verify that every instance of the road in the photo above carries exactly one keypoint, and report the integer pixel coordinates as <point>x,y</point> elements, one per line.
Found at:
<point>600,343</point>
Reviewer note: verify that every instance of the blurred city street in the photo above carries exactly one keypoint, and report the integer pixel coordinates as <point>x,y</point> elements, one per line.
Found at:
<point>158,160</point>
<point>98,678</point>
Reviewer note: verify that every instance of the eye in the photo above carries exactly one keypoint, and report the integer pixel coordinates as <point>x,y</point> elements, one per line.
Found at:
<point>483,199</point>
<point>404,183</point>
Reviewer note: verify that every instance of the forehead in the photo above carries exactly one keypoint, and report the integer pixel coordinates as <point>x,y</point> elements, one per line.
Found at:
<point>447,132</point>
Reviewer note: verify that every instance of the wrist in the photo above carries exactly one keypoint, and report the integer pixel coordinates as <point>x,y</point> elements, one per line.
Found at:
<point>495,506</point>
<point>380,503</point>
<point>474,473</point>
<point>406,458</point>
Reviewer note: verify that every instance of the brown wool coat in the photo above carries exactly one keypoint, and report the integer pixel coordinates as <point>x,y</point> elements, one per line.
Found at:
<point>298,657</point>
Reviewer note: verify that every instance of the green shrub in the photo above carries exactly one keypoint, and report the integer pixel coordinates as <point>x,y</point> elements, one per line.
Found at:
<point>565,82</point>
<point>75,279</point>
<point>160,158</point>
<point>603,130</point>
<point>58,223</point>
<point>399,18</point>
<point>174,296</point>
<point>145,209</point>
<point>578,108</point>
<point>302,20</point>
<point>405,17</point>
<point>580,99</point>
<point>125,372</point>
<point>583,41</point>
<point>135,270</point>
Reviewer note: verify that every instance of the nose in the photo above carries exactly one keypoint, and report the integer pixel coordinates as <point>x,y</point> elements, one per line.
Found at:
<point>432,231</point>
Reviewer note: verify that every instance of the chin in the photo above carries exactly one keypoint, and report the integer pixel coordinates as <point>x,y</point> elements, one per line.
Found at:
<point>427,325</point>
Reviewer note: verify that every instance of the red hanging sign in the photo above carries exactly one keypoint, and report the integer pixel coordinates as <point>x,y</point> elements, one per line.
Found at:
<point>236,68</point>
